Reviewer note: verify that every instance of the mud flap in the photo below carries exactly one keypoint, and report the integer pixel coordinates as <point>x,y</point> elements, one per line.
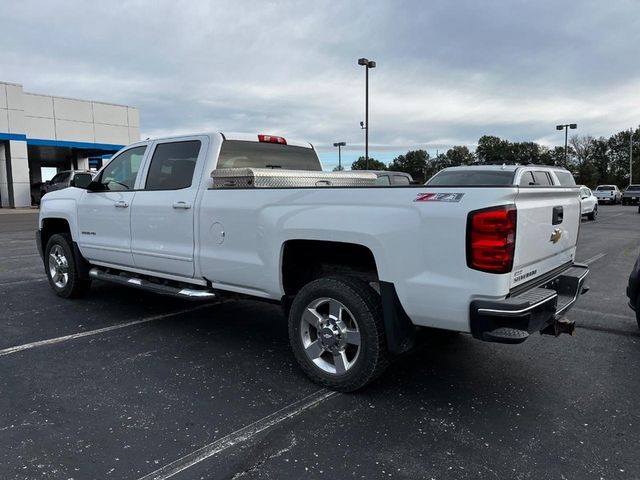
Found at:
<point>399,330</point>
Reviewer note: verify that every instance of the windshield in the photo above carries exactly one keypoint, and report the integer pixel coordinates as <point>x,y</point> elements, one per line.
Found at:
<point>604,187</point>
<point>243,154</point>
<point>489,178</point>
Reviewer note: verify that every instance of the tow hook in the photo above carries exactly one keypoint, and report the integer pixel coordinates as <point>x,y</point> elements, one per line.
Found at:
<point>559,325</point>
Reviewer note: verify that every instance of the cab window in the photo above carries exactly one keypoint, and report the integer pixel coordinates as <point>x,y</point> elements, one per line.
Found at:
<point>172,165</point>
<point>121,172</point>
<point>61,177</point>
<point>383,180</point>
<point>400,180</point>
<point>542,179</point>
<point>526,180</point>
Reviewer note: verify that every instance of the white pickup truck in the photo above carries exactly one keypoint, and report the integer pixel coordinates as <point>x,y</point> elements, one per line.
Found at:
<point>358,267</point>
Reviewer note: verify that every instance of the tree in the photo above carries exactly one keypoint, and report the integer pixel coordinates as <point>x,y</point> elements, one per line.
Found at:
<point>493,150</point>
<point>414,162</point>
<point>460,155</point>
<point>525,152</point>
<point>338,168</point>
<point>374,164</point>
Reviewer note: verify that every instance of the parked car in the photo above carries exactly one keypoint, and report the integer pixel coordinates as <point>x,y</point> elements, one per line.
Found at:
<point>633,290</point>
<point>631,195</point>
<point>392,178</point>
<point>355,269</point>
<point>608,194</point>
<point>588,203</point>
<point>66,178</point>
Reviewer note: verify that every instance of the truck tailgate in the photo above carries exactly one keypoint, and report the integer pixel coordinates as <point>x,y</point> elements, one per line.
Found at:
<point>546,231</point>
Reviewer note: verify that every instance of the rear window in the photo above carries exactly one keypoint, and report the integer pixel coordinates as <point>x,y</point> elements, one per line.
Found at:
<point>604,187</point>
<point>633,188</point>
<point>488,178</point>
<point>243,154</point>
<point>565,178</point>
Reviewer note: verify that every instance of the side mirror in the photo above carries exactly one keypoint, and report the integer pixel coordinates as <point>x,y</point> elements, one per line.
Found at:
<point>95,186</point>
<point>47,182</point>
<point>81,180</point>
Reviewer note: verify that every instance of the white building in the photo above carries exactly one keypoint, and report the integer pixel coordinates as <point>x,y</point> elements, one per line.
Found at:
<point>39,133</point>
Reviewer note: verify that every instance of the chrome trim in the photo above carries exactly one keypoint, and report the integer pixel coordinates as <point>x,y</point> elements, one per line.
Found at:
<point>151,273</point>
<point>189,292</point>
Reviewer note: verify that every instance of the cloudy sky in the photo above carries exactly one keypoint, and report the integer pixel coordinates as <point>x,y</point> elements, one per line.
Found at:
<point>448,71</point>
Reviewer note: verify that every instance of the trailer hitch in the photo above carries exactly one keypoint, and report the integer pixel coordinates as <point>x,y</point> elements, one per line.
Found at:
<point>559,325</point>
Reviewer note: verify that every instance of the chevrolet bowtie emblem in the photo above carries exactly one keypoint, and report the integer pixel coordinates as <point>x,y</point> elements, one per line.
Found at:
<point>555,236</point>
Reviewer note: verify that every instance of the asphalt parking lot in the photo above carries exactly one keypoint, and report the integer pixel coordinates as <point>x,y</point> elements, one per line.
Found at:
<point>130,385</point>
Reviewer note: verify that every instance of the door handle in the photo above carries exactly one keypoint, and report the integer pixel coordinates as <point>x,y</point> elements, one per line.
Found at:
<point>558,215</point>
<point>182,205</point>
<point>121,204</point>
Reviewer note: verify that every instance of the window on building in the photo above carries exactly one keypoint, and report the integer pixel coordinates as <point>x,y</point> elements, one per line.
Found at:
<point>172,165</point>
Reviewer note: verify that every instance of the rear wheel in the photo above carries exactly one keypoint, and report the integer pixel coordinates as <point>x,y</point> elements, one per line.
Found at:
<point>61,269</point>
<point>337,334</point>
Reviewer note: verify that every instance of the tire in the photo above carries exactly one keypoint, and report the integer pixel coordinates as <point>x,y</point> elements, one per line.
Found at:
<point>638,310</point>
<point>61,270</point>
<point>343,355</point>
<point>624,202</point>
<point>593,214</point>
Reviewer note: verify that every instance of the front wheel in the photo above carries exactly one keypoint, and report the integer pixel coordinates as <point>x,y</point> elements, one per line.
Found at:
<point>593,214</point>
<point>61,269</point>
<point>336,333</point>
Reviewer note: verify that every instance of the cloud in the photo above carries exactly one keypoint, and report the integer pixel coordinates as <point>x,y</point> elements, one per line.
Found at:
<point>448,72</point>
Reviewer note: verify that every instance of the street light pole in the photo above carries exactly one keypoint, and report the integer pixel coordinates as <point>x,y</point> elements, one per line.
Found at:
<point>566,128</point>
<point>367,64</point>
<point>340,144</point>
<point>631,156</point>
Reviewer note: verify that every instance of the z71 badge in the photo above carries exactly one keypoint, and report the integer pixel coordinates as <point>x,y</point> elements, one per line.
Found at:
<point>439,197</point>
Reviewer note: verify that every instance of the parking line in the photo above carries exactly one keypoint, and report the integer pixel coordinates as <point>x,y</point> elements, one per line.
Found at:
<point>239,436</point>
<point>20,256</point>
<point>89,333</point>
<point>595,258</point>
<point>19,282</point>
<point>603,314</point>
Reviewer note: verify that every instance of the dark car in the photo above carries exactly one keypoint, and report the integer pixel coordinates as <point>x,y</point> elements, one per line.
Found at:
<point>633,290</point>
<point>66,178</point>
<point>631,195</point>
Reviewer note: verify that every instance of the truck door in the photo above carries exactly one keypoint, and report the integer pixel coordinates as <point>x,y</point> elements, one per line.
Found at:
<point>104,220</point>
<point>162,213</point>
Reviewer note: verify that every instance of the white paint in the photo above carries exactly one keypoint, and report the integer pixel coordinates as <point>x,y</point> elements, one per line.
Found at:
<point>20,282</point>
<point>52,341</point>
<point>20,256</point>
<point>239,436</point>
<point>602,314</point>
<point>595,258</point>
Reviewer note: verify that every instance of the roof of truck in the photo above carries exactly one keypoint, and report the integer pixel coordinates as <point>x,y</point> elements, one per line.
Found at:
<point>505,167</point>
<point>241,136</point>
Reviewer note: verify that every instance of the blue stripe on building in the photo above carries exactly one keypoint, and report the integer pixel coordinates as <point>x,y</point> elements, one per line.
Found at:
<point>60,143</point>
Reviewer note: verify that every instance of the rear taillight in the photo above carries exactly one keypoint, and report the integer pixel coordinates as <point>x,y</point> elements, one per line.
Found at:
<point>272,139</point>
<point>491,239</point>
